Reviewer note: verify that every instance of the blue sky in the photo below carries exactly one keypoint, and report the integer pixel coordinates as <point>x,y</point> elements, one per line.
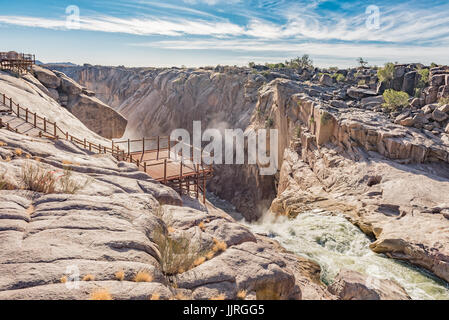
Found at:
<point>211,32</point>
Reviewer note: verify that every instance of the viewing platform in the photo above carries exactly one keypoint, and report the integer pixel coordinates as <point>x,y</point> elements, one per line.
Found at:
<point>17,62</point>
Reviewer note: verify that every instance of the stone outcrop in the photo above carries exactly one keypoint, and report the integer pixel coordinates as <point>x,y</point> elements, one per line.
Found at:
<point>96,115</point>
<point>352,285</point>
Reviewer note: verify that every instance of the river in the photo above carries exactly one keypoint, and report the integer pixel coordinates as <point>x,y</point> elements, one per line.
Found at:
<point>334,243</point>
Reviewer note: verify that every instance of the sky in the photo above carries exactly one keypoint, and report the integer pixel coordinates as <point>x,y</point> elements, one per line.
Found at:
<point>149,33</point>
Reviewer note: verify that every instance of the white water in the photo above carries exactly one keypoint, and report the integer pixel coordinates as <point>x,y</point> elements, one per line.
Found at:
<point>335,244</point>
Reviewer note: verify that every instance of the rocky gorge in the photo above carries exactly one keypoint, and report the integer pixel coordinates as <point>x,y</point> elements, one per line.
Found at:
<point>340,150</point>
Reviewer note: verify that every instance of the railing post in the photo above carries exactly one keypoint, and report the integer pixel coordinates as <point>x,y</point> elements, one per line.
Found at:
<point>129,145</point>
<point>67,135</point>
<point>90,146</point>
<point>197,180</point>
<point>35,120</point>
<point>10,104</point>
<point>158,146</point>
<point>165,170</point>
<point>180,178</point>
<point>99,148</point>
<point>143,146</point>
<point>169,147</point>
<point>18,111</point>
<point>26,115</point>
<point>145,167</point>
<point>4,99</point>
<point>45,125</point>
<point>54,129</point>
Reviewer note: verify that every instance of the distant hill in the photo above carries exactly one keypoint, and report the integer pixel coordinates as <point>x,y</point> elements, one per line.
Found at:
<point>63,64</point>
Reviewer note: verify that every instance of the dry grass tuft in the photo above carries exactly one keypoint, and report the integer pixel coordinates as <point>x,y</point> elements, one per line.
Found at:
<point>221,296</point>
<point>120,275</point>
<point>70,185</point>
<point>219,246</point>
<point>63,279</point>
<point>180,296</point>
<point>210,255</point>
<point>5,185</point>
<point>178,252</point>
<point>36,178</point>
<point>202,226</point>
<point>8,159</point>
<point>155,296</point>
<point>3,144</point>
<point>171,230</point>
<point>143,276</point>
<point>88,277</point>
<point>199,261</point>
<point>101,294</point>
<point>18,152</point>
<point>242,294</point>
<point>30,210</point>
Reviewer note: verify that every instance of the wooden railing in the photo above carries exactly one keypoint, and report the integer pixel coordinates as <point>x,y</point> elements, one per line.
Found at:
<point>51,129</point>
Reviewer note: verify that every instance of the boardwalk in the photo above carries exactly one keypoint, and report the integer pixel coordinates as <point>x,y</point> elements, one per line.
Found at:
<point>153,156</point>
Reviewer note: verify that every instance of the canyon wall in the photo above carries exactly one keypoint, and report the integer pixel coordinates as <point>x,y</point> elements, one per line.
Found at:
<point>157,101</point>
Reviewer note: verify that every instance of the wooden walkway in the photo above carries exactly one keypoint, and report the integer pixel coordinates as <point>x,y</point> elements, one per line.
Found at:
<point>153,156</point>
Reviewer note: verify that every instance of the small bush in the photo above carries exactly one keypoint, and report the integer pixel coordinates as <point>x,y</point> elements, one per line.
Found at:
<point>101,294</point>
<point>325,118</point>
<point>386,73</point>
<point>339,77</point>
<point>395,99</point>
<point>443,101</point>
<point>143,276</point>
<point>269,123</point>
<point>424,79</point>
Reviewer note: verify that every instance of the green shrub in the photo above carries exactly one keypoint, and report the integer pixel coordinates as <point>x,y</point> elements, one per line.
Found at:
<point>386,73</point>
<point>325,118</point>
<point>339,77</point>
<point>424,81</point>
<point>395,99</point>
<point>443,101</point>
<point>269,123</point>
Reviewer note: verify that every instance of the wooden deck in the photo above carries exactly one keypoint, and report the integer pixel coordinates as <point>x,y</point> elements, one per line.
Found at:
<point>153,156</point>
<point>17,62</point>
